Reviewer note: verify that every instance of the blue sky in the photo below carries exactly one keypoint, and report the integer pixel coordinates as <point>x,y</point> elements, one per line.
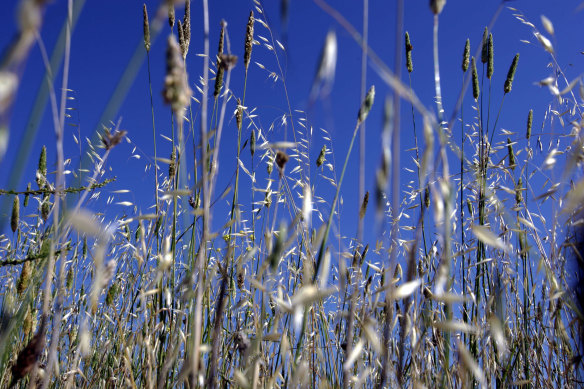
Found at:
<point>109,32</point>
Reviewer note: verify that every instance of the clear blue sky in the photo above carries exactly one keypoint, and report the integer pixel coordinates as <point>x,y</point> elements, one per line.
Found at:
<point>108,32</point>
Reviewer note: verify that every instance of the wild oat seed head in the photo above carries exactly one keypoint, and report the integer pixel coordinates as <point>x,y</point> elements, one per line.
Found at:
<point>239,115</point>
<point>466,56</point>
<point>512,163</point>
<point>171,14</point>
<point>321,157</point>
<point>409,48</point>
<point>45,207</point>
<point>176,87</point>
<point>436,6</point>
<point>518,190</point>
<point>511,74</point>
<point>529,123</point>
<point>366,105</point>
<point>363,209</point>
<point>475,79</point>
<point>490,59</point>
<point>248,41</point>
<point>146,29</point>
<point>15,214</point>
<point>252,142</point>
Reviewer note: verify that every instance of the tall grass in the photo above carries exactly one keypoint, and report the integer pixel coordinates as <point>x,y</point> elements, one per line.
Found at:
<point>469,282</point>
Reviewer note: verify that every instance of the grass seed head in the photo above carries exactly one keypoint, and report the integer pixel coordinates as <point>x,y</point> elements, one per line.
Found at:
<point>41,176</point>
<point>146,29</point>
<point>239,115</point>
<point>15,214</point>
<point>27,195</point>
<point>409,48</point>
<point>490,58</point>
<point>529,123</point>
<point>475,79</point>
<point>248,40</point>
<point>436,6</point>
<point>484,46</point>
<point>511,74</point>
<point>363,209</point>
<point>512,163</point>
<point>187,23</point>
<point>172,164</point>
<point>171,14</point>
<point>321,157</point>
<point>518,190</point>
<point>24,278</point>
<point>466,56</point>
<point>176,87</point>
<point>366,105</point>
<point>252,142</point>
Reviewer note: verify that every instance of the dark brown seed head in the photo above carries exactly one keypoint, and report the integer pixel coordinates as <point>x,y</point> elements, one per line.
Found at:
<point>436,6</point>
<point>146,29</point>
<point>363,209</point>
<point>28,357</point>
<point>281,159</point>
<point>239,115</point>
<point>171,14</point>
<point>248,41</point>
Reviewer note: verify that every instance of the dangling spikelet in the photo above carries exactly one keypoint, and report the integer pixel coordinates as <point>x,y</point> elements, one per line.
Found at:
<point>239,115</point>
<point>252,142</point>
<point>321,157</point>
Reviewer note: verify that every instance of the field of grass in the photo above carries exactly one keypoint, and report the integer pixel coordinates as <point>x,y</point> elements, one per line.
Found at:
<point>473,280</point>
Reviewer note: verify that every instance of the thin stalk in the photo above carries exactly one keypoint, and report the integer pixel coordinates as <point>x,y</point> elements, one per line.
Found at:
<point>362,136</point>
